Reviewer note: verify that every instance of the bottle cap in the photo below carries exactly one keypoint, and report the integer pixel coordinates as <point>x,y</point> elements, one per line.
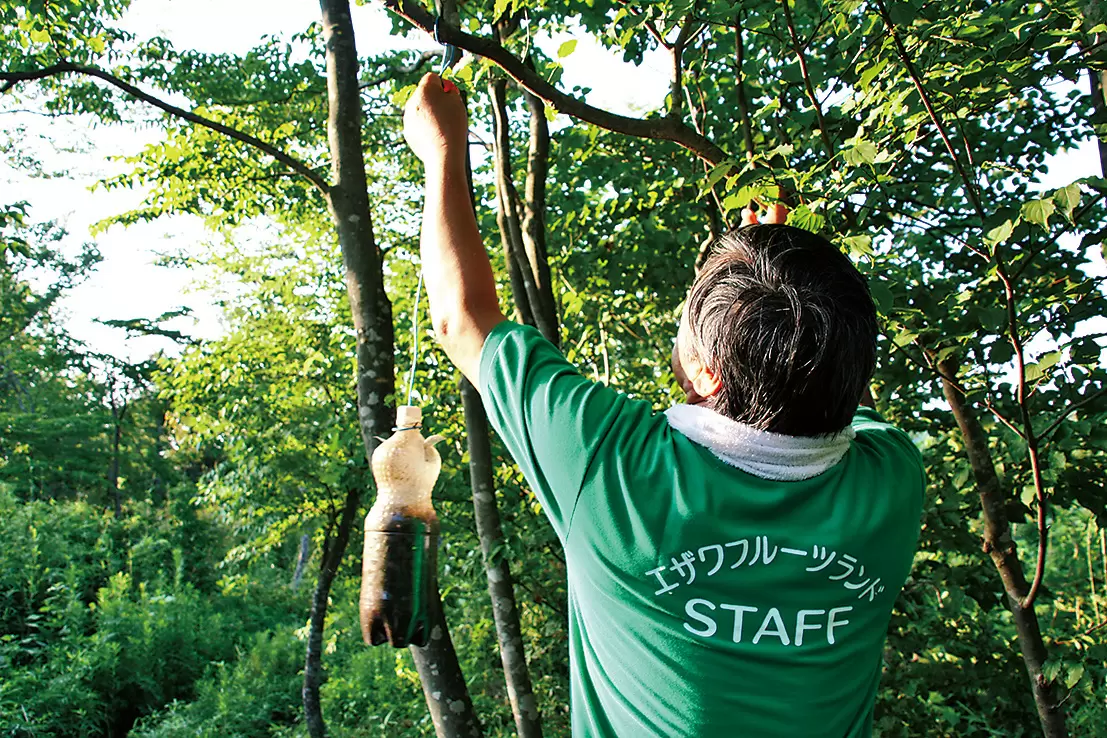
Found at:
<point>408,416</point>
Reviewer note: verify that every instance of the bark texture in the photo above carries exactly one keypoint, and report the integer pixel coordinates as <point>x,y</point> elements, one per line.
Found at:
<point>534,220</point>
<point>444,685</point>
<point>348,201</point>
<point>333,550</point>
<point>301,560</point>
<point>507,207</point>
<point>501,587</point>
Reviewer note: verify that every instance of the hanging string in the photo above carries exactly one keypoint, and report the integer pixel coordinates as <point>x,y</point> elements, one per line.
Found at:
<point>414,338</point>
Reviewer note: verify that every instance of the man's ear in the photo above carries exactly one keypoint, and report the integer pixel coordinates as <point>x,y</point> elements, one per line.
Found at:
<point>706,382</point>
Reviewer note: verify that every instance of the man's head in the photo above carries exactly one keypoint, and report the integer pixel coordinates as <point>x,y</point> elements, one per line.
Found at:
<point>778,332</point>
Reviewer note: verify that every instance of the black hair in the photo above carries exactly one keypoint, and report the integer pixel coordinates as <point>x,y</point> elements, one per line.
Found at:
<point>787,323</point>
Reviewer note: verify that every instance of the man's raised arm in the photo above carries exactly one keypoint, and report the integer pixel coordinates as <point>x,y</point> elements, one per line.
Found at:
<point>458,275</point>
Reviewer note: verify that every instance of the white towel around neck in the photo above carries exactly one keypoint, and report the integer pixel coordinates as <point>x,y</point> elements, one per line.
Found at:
<point>761,453</point>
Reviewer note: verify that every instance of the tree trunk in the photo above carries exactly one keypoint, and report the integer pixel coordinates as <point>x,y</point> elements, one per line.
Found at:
<point>444,685</point>
<point>333,551</point>
<point>118,413</point>
<point>301,560</point>
<point>501,588</point>
<point>113,471</point>
<point>999,544</point>
<point>348,201</point>
<point>372,313</point>
<point>534,221</point>
<point>507,207</point>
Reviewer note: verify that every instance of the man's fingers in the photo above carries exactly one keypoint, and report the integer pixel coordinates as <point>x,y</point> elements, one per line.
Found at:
<point>776,213</point>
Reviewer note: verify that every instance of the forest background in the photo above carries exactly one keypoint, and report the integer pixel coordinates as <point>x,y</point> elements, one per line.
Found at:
<point>181,545</point>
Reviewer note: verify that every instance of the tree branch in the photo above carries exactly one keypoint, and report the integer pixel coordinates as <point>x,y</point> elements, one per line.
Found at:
<point>740,85</point>
<point>901,51</point>
<point>1070,410</point>
<point>12,78</point>
<point>415,66</point>
<point>824,134</point>
<point>664,129</point>
<point>676,83</point>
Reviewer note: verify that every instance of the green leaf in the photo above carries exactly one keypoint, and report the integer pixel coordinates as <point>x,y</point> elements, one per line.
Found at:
<point>859,246</point>
<point>805,218</point>
<point>1049,360</point>
<point>1028,494</point>
<point>1067,198</point>
<point>500,8</point>
<point>882,296</point>
<point>767,109</point>
<point>862,152</point>
<point>40,36</point>
<point>400,96</point>
<point>1038,211</point>
<point>717,173</point>
<point>869,74</point>
<point>999,234</point>
<point>566,48</point>
<point>904,338</point>
<point>1051,670</point>
<point>1076,673</point>
<point>784,150</point>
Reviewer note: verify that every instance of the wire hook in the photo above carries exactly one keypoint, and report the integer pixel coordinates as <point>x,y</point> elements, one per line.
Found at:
<point>450,53</point>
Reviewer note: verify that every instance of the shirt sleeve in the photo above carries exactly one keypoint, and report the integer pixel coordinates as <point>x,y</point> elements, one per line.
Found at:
<point>551,419</point>
<point>869,423</point>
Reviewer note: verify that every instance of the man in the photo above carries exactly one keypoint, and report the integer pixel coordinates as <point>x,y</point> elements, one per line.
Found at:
<point>732,563</point>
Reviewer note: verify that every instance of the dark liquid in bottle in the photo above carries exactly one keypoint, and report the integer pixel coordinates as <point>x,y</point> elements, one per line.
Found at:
<point>397,580</point>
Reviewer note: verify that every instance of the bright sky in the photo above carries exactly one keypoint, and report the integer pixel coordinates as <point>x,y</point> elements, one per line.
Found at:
<point>128,283</point>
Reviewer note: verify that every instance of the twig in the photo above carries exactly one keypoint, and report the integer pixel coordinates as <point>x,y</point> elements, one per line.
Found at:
<point>425,57</point>
<point>676,83</point>
<point>11,78</point>
<point>807,85</point>
<point>901,51</point>
<point>1070,410</point>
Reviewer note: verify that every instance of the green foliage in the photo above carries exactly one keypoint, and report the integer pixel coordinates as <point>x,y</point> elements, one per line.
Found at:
<point>262,420</point>
<point>101,622</point>
<point>252,697</point>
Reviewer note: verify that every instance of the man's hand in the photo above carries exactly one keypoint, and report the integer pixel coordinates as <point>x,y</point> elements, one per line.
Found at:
<point>435,123</point>
<point>774,214</point>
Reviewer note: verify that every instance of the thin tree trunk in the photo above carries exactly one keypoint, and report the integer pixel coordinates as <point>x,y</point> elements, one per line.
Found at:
<point>113,471</point>
<point>333,551</point>
<point>348,201</point>
<point>999,544</point>
<point>439,671</point>
<point>444,686</point>
<point>1099,113</point>
<point>301,560</point>
<point>740,85</point>
<point>501,588</point>
<point>507,210</point>
<point>118,413</point>
<point>534,221</point>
